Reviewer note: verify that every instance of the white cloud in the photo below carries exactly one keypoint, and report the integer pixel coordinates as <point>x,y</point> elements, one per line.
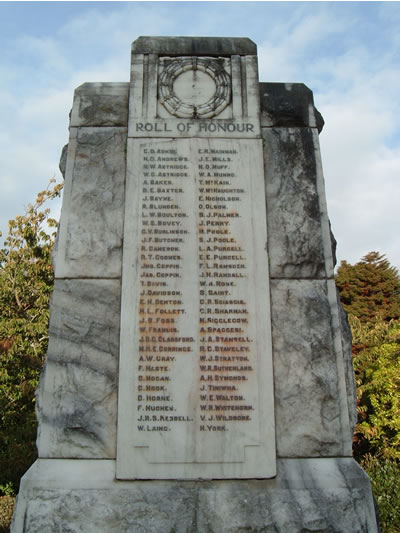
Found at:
<point>361,156</point>
<point>350,62</point>
<point>47,52</point>
<point>356,88</point>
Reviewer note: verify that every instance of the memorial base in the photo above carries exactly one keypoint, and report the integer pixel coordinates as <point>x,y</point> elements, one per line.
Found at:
<point>313,495</point>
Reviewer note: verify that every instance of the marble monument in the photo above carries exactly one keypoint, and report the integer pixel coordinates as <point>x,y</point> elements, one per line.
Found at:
<point>199,373</point>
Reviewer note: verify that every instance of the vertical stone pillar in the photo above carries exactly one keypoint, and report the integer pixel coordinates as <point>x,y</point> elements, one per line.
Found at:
<point>196,381</point>
<point>314,386</point>
<point>77,399</point>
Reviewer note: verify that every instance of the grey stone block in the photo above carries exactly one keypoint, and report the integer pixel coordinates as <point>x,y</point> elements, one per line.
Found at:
<point>295,239</point>
<point>307,408</point>
<point>207,46</point>
<point>100,104</point>
<point>288,105</point>
<point>347,341</point>
<point>90,235</point>
<point>77,397</point>
<point>62,165</point>
<point>319,495</point>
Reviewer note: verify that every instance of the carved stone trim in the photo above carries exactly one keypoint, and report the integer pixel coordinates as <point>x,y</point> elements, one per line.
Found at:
<point>214,68</point>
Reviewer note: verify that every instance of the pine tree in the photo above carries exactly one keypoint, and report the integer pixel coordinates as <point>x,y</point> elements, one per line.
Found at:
<point>370,289</point>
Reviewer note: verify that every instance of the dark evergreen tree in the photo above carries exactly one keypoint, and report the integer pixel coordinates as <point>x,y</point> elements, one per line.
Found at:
<point>370,289</point>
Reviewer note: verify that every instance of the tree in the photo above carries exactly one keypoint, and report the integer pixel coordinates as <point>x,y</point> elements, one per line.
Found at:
<point>370,293</point>
<point>376,360</point>
<point>26,282</point>
<point>370,289</point>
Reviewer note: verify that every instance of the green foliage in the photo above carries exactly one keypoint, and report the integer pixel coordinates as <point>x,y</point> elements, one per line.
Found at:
<point>370,289</point>
<point>26,282</point>
<point>370,293</point>
<point>376,360</point>
<point>385,480</point>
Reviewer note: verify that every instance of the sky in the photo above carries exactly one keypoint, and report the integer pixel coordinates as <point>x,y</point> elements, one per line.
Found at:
<point>347,53</point>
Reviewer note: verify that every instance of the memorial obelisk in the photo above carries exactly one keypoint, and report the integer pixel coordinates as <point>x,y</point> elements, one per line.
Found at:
<point>199,371</point>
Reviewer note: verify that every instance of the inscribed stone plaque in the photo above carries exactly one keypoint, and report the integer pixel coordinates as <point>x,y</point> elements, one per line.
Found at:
<point>196,385</point>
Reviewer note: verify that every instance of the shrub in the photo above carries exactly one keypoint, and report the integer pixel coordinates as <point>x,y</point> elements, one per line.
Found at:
<point>385,481</point>
<point>26,282</point>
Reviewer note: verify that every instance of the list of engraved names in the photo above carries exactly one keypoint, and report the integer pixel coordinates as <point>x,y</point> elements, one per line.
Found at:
<point>196,356</point>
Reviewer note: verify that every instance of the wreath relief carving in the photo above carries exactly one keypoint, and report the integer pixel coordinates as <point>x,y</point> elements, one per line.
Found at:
<point>194,87</point>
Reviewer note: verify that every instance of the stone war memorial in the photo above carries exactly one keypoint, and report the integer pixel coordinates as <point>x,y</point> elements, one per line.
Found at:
<point>199,374</point>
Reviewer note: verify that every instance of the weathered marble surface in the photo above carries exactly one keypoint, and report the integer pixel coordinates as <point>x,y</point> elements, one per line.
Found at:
<point>348,365</point>
<point>319,495</point>
<point>313,377</point>
<point>77,397</point>
<point>307,408</point>
<point>202,46</point>
<point>90,235</point>
<point>208,445</point>
<point>85,321</point>
<point>100,104</point>
<point>289,105</point>
<point>210,106</point>
<point>305,356</point>
<point>295,245</point>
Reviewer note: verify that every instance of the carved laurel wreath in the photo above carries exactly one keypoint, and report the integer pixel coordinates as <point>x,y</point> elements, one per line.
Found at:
<point>174,105</point>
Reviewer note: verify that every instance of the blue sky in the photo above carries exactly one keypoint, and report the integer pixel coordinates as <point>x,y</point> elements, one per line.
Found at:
<point>348,53</point>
